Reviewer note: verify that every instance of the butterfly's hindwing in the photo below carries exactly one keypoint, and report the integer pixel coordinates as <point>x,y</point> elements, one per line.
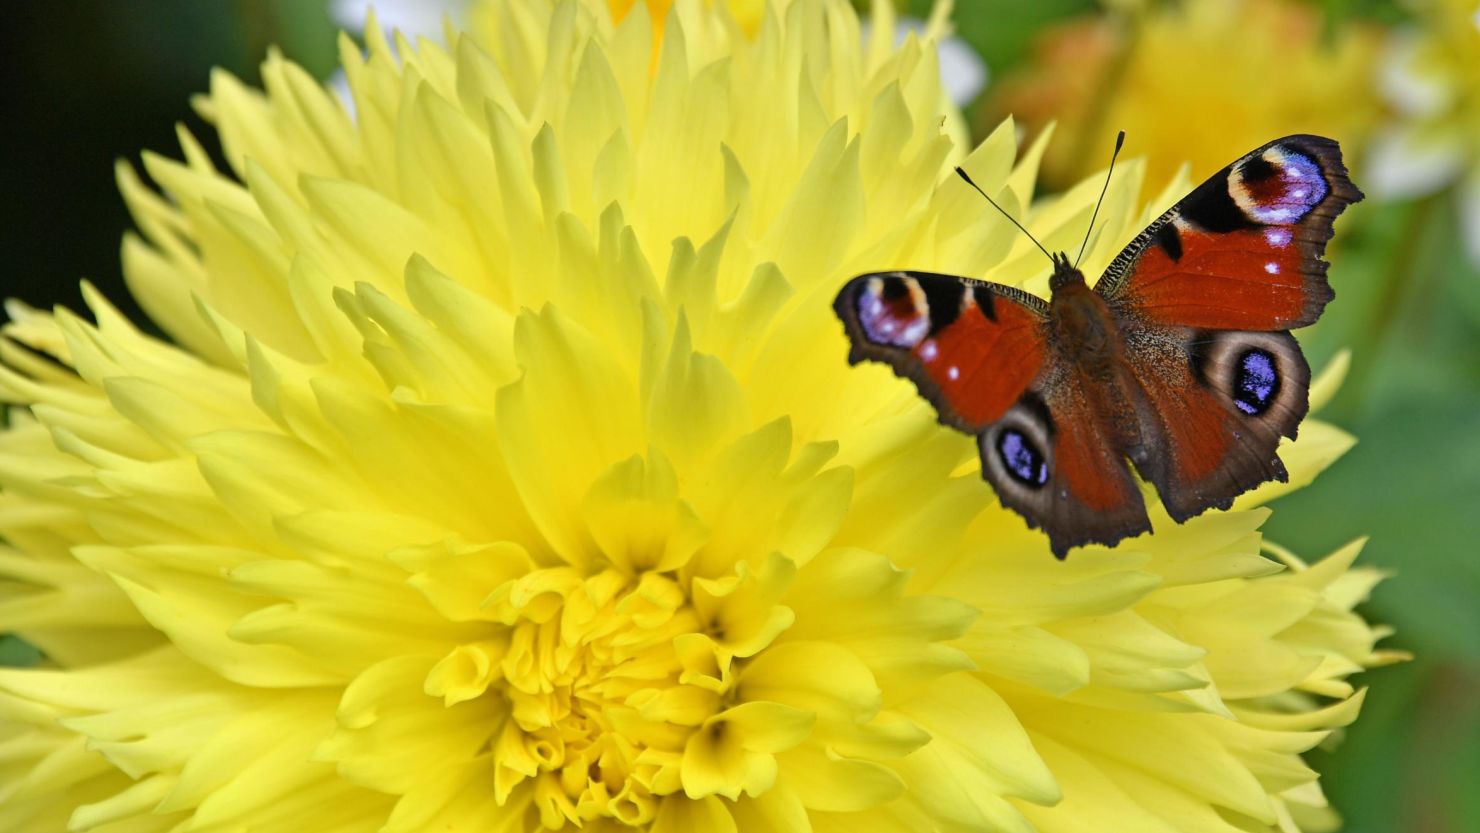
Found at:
<point>1216,404</point>
<point>1055,460</point>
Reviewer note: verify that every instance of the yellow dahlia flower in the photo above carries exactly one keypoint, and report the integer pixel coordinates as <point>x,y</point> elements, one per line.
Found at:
<point>505,474</point>
<point>1200,82</point>
<point>1431,79</point>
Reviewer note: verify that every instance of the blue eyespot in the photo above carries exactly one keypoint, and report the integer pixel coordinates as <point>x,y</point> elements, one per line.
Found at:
<point>1256,382</point>
<point>1280,187</point>
<point>1023,461</point>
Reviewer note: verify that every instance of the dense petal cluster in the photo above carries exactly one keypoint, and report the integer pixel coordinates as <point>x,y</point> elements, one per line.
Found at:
<point>503,472</point>
<point>1201,82</point>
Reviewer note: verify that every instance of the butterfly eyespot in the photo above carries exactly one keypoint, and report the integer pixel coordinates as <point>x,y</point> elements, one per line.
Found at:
<point>1256,381</point>
<point>893,310</point>
<point>1279,187</point>
<point>1023,461</point>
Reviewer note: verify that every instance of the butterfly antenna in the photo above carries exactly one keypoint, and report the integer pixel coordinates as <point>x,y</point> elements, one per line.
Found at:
<point>1009,217</point>
<point>1119,141</point>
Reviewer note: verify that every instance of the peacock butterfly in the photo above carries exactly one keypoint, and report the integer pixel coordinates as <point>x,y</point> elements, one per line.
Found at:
<point>1179,360</point>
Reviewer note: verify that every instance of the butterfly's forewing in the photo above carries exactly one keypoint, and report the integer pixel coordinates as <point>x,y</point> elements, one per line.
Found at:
<point>1243,250</point>
<point>979,352</point>
<point>1204,298</point>
<point>971,347</point>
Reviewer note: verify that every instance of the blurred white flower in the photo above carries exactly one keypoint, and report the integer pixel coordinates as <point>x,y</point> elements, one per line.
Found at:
<point>412,18</point>
<point>962,72</point>
<point>415,18</point>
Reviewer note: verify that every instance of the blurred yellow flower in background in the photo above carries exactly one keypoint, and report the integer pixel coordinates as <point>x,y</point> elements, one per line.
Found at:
<point>506,474</point>
<point>1431,80</point>
<point>746,13</point>
<point>1200,81</point>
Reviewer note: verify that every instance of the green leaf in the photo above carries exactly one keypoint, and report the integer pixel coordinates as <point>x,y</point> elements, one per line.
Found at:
<point>17,653</point>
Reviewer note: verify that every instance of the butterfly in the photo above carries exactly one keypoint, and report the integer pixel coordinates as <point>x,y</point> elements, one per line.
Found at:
<point>1178,362</point>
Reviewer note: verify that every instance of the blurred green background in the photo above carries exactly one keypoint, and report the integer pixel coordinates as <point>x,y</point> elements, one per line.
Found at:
<point>90,81</point>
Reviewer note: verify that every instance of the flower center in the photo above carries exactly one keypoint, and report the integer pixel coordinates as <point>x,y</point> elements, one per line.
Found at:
<point>599,702</point>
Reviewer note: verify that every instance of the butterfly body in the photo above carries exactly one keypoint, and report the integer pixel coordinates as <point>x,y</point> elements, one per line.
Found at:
<point>1177,362</point>
<point>1084,330</point>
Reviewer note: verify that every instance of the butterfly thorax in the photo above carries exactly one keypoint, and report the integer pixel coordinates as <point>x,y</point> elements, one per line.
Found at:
<point>1085,333</point>
<point>1083,329</point>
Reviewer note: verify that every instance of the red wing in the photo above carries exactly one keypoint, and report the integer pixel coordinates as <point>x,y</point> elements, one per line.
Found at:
<point>1215,406</point>
<point>971,347</point>
<point>1054,459</point>
<point>1243,250</point>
